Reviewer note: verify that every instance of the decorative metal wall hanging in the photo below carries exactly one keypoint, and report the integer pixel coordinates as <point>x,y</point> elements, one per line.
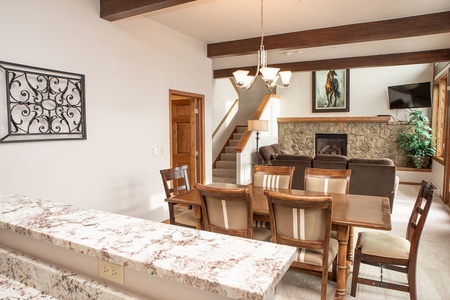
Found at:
<point>41,104</point>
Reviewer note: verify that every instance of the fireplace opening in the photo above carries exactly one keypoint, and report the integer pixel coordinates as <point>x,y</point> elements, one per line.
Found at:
<point>331,143</point>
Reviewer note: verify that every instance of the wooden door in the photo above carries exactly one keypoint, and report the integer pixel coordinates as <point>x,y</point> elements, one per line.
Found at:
<point>187,133</point>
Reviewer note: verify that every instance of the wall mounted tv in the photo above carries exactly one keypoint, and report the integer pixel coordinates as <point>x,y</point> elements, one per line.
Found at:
<point>412,95</point>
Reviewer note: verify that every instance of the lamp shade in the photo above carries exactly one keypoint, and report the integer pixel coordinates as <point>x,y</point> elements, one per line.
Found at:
<point>258,125</point>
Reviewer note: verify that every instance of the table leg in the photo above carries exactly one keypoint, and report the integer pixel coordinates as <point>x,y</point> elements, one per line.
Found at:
<point>198,217</point>
<point>350,245</point>
<point>342,234</point>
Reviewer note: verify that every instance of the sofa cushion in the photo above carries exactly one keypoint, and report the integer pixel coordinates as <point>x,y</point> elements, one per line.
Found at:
<point>294,157</point>
<point>372,161</point>
<point>267,153</point>
<point>276,148</point>
<point>331,157</point>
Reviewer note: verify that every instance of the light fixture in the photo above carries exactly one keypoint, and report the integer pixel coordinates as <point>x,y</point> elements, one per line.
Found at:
<point>269,75</point>
<point>257,125</point>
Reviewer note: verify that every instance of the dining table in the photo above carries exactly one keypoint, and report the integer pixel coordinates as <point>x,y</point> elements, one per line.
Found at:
<point>349,210</point>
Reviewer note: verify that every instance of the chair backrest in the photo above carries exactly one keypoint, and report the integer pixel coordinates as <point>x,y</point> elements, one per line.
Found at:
<point>273,176</point>
<point>175,181</point>
<point>327,180</point>
<point>300,221</point>
<point>418,216</point>
<point>227,211</point>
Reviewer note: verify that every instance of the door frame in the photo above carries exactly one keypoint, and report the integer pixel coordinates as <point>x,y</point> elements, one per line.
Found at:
<point>175,95</point>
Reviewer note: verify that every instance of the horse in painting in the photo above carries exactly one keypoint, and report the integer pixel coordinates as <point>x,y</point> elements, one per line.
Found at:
<point>332,88</point>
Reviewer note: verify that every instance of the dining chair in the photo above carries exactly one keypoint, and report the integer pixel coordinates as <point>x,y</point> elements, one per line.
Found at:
<point>272,177</point>
<point>229,211</point>
<point>176,181</point>
<point>392,252</point>
<point>305,222</point>
<point>330,181</point>
<point>327,180</point>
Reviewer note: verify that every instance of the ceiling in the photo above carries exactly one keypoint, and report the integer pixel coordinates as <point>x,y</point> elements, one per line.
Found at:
<point>213,21</point>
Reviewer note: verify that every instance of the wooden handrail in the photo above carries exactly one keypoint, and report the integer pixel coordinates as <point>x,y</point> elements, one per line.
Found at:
<point>224,118</point>
<point>259,111</point>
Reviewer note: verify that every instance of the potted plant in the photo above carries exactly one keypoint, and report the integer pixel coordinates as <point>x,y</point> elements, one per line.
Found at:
<point>417,140</point>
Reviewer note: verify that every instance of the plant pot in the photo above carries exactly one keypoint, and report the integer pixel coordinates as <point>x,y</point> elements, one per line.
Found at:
<point>424,165</point>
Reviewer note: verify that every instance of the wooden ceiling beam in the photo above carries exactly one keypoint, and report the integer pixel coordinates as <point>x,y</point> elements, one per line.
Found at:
<point>352,62</point>
<point>356,33</point>
<point>113,10</point>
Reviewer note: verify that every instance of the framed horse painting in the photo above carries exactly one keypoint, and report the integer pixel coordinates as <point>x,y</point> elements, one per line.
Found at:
<point>330,91</point>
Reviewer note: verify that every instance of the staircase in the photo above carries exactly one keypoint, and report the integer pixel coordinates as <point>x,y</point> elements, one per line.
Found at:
<point>225,168</point>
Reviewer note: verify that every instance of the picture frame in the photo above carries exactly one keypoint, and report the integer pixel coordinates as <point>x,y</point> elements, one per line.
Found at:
<point>330,91</point>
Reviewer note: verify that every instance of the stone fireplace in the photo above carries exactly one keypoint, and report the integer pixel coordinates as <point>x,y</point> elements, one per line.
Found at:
<point>331,143</point>
<point>367,137</point>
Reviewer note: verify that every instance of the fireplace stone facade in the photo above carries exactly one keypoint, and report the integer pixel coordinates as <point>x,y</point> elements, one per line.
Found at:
<point>367,137</point>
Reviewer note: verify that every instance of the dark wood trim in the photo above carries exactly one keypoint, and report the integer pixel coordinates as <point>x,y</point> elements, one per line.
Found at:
<point>385,60</point>
<point>412,169</point>
<point>355,33</point>
<point>335,120</point>
<point>113,10</point>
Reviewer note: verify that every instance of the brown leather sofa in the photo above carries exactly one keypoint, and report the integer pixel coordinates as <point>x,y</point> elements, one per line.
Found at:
<point>373,176</point>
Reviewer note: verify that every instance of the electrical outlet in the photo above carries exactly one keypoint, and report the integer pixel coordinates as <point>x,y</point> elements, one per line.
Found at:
<point>110,271</point>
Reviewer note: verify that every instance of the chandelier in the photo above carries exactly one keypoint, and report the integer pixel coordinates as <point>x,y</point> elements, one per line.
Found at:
<point>269,75</point>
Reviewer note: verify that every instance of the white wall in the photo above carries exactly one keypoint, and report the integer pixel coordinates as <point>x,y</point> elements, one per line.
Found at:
<point>368,91</point>
<point>130,65</point>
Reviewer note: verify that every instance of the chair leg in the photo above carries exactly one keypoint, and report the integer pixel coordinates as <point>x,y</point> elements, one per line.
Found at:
<point>171,213</point>
<point>412,282</point>
<point>356,265</point>
<point>324,285</point>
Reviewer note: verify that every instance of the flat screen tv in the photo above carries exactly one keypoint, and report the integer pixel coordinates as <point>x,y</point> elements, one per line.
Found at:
<point>412,95</point>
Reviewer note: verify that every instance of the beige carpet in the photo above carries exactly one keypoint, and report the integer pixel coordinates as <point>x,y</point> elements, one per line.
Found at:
<point>433,268</point>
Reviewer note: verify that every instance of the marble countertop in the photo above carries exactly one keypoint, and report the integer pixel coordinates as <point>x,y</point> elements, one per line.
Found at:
<point>233,267</point>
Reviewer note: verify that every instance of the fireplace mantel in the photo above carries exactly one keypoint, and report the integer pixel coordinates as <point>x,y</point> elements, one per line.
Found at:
<point>376,119</point>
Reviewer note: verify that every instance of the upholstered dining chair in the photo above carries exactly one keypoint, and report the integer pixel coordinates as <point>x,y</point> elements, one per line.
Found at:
<point>392,252</point>
<point>327,180</point>
<point>272,177</point>
<point>176,181</point>
<point>305,222</point>
<point>229,211</point>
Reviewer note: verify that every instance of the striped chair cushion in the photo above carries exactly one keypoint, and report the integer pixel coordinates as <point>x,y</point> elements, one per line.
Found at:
<point>326,185</point>
<point>227,214</point>
<point>300,224</point>
<point>272,181</point>
<point>314,256</point>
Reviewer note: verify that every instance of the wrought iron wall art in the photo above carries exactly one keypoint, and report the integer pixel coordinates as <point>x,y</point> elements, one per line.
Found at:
<point>41,104</point>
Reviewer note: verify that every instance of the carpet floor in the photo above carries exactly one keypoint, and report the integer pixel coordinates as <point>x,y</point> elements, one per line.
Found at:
<point>433,266</point>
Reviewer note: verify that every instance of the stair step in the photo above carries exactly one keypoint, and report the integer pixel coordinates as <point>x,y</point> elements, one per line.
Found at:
<point>228,156</point>
<point>237,136</point>
<point>230,149</point>
<point>233,142</point>
<point>241,129</point>
<point>226,164</point>
<point>224,179</point>
<point>224,173</point>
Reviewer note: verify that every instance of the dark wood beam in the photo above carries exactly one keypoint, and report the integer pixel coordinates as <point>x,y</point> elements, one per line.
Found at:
<point>352,62</point>
<point>346,34</point>
<point>113,10</point>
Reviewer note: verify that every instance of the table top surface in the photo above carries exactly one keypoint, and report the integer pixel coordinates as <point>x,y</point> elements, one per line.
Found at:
<point>348,209</point>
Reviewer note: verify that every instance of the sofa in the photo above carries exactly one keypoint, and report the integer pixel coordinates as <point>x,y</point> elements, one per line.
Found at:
<point>370,176</point>
<point>374,177</point>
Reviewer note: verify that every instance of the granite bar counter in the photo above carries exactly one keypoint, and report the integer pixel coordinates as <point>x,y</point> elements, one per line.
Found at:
<point>159,261</point>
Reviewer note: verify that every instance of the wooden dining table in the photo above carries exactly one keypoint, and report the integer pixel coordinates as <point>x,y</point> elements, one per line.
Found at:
<point>348,210</point>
